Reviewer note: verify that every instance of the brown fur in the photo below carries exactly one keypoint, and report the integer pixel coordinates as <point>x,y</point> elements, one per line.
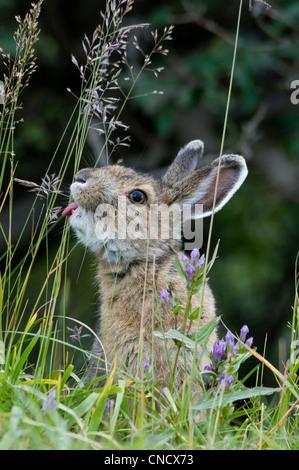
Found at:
<point>129,309</point>
<point>131,273</point>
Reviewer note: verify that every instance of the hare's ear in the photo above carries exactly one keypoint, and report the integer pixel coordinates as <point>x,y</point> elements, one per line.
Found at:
<point>199,187</point>
<point>184,163</point>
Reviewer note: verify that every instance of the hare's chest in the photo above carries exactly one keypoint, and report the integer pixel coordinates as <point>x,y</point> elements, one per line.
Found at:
<point>121,306</point>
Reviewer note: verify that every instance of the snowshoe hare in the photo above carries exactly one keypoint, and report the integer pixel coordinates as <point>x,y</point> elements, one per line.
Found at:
<point>115,215</point>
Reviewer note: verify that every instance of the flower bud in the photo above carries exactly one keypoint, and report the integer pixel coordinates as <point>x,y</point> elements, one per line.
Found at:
<point>164,295</point>
<point>217,352</point>
<point>190,271</point>
<point>243,332</point>
<point>229,380</point>
<point>194,255</point>
<point>230,340</point>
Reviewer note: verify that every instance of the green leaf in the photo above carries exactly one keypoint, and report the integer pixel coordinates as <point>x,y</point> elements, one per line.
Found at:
<point>230,397</point>
<point>177,310</point>
<point>85,405</point>
<point>174,296</point>
<point>176,335</point>
<point>205,331</point>
<point>189,341</point>
<point>195,314</point>
<point>178,307</point>
<point>65,376</point>
<point>2,353</point>
<point>196,288</point>
<point>100,404</point>
<point>118,402</point>
<point>180,268</point>
<point>24,357</point>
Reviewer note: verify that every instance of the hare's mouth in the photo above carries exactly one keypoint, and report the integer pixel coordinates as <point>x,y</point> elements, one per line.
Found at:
<point>68,211</point>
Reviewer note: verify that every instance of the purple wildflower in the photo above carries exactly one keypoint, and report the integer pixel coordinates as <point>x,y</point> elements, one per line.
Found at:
<point>229,380</point>
<point>221,378</point>
<point>229,340</point>
<point>184,259</point>
<point>236,349</point>
<point>164,295</point>
<point>243,332</point>
<point>194,255</point>
<point>190,271</point>
<point>217,352</point>
<point>50,405</point>
<point>145,364</point>
<point>249,342</point>
<point>223,344</point>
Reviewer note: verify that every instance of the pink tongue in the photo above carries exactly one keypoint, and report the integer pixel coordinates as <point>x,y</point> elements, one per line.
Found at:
<point>69,209</point>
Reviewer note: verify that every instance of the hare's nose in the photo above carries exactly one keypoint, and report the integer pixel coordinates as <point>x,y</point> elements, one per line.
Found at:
<point>82,176</point>
<point>79,179</point>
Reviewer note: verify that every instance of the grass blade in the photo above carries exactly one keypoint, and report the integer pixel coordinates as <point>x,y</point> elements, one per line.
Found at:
<point>24,357</point>
<point>118,402</point>
<point>231,397</point>
<point>100,405</point>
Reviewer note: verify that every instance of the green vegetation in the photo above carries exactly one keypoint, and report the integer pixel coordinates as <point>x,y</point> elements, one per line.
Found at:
<point>44,337</point>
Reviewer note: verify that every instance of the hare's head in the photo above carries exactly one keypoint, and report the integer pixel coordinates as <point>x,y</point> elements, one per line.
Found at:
<point>127,215</point>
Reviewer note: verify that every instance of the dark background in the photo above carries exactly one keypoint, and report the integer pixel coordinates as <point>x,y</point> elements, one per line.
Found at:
<point>254,277</point>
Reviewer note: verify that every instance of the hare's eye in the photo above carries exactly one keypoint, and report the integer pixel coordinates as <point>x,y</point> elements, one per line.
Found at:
<point>137,196</point>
